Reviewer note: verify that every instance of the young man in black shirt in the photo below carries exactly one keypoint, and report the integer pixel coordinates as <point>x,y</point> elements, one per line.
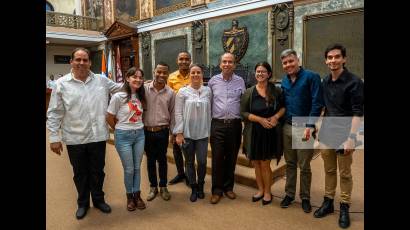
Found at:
<point>343,97</point>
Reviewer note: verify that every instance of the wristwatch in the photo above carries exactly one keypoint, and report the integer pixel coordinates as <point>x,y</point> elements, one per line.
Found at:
<point>353,136</point>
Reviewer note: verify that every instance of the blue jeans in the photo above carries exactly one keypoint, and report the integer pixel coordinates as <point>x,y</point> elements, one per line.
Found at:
<point>130,148</point>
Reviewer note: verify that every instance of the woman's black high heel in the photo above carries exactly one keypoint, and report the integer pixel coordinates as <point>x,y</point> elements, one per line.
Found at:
<point>256,198</point>
<point>265,202</point>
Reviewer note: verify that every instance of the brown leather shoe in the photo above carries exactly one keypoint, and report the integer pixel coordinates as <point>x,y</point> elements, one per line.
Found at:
<point>215,198</point>
<point>130,202</point>
<point>230,194</point>
<point>138,201</point>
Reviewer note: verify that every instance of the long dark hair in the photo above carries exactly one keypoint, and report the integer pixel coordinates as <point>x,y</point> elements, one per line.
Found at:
<point>270,98</point>
<point>127,89</point>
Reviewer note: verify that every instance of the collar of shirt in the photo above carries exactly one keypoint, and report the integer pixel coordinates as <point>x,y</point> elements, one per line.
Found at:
<point>220,76</point>
<point>151,87</point>
<point>342,78</point>
<point>199,90</point>
<point>90,76</point>
<point>298,74</point>
<point>180,76</point>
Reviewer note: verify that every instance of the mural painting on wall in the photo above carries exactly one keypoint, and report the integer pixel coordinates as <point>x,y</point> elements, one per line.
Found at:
<point>126,10</point>
<point>145,9</point>
<point>235,40</point>
<point>93,8</point>
<point>164,6</point>
<point>108,15</point>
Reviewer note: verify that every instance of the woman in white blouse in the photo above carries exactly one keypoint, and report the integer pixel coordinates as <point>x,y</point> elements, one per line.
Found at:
<point>124,114</point>
<point>192,128</point>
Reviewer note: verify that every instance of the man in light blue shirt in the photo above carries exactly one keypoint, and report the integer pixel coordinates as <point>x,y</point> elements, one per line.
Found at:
<point>226,127</point>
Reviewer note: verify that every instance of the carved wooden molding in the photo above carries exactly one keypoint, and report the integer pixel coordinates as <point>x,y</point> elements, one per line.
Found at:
<point>120,30</point>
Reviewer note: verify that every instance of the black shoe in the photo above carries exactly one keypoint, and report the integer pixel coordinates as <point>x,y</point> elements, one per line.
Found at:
<point>265,202</point>
<point>81,212</point>
<point>286,201</point>
<point>257,198</point>
<point>306,205</point>
<point>194,192</point>
<point>177,179</point>
<point>326,208</point>
<point>200,194</point>
<point>344,219</point>
<point>104,207</point>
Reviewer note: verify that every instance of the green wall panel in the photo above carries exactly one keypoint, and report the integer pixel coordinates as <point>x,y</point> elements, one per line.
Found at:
<point>257,26</point>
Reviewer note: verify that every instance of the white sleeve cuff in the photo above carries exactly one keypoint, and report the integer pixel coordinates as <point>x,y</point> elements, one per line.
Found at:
<point>54,139</point>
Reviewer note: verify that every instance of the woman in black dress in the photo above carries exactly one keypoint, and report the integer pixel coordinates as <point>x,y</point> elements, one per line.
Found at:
<point>261,110</point>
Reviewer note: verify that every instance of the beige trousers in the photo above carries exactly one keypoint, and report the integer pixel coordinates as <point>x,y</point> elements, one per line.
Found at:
<point>331,159</point>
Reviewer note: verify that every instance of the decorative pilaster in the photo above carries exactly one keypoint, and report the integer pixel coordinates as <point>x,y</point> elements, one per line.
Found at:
<point>198,42</point>
<point>282,33</point>
<point>146,54</point>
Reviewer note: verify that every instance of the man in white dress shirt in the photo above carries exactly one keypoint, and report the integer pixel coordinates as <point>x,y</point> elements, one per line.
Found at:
<point>77,109</point>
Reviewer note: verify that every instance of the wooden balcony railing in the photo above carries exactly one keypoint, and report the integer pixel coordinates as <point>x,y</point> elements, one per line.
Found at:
<point>73,21</point>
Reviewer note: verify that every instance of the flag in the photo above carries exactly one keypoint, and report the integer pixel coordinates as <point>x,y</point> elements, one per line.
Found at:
<point>109,64</point>
<point>118,65</point>
<point>103,65</point>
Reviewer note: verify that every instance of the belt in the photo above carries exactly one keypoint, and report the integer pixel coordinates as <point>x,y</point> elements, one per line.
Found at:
<point>226,121</point>
<point>296,124</point>
<point>156,128</point>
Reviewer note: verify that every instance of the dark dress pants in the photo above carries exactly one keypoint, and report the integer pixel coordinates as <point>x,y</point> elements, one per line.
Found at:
<point>225,142</point>
<point>179,160</point>
<point>198,148</point>
<point>156,144</point>
<point>88,161</point>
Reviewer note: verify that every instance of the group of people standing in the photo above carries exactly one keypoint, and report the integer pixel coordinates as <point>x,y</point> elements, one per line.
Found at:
<point>145,114</point>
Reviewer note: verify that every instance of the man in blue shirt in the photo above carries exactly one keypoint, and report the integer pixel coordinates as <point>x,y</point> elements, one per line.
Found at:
<point>303,98</point>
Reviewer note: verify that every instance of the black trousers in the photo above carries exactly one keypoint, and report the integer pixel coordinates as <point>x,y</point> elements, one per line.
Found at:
<point>225,142</point>
<point>88,161</point>
<point>178,157</point>
<point>156,144</point>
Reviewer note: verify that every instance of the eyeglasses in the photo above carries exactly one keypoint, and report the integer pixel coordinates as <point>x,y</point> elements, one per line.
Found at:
<point>263,71</point>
